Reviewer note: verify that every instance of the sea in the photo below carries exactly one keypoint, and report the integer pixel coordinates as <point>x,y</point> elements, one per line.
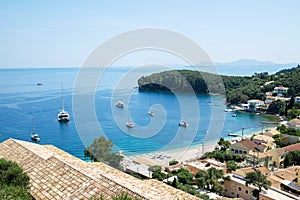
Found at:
<point>26,107</point>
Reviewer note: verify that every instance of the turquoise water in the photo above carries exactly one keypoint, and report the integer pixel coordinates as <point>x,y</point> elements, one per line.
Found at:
<point>21,100</point>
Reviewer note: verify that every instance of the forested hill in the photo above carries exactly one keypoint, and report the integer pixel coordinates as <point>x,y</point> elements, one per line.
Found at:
<point>238,88</point>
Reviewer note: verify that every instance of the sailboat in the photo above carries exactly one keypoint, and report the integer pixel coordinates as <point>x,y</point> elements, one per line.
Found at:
<point>34,136</point>
<point>150,113</point>
<point>63,116</point>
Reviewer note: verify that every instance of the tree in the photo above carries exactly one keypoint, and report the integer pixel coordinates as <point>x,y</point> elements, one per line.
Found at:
<point>14,183</point>
<point>184,176</point>
<point>159,175</point>
<point>258,180</point>
<point>231,166</point>
<point>292,158</point>
<point>101,151</point>
<point>224,144</point>
<point>276,107</point>
<point>210,180</point>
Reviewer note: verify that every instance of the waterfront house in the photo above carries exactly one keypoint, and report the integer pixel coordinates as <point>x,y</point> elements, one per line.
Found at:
<point>277,157</point>
<point>243,147</point>
<point>254,104</point>
<point>280,90</point>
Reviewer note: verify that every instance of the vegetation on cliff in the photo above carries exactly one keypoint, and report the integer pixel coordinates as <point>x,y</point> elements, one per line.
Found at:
<point>238,89</point>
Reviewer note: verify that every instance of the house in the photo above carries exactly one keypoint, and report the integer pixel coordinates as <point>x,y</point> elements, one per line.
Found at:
<point>195,166</point>
<point>55,174</point>
<point>271,132</point>
<point>236,188</point>
<point>270,99</point>
<point>294,123</point>
<point>292,147</point>
<point>266,140</point>
<point>243,147</point>
<point>277,157</point>
<point>253,104</point>
<point>297,99</point>
<point>280,90</point>
<point>257,158</point>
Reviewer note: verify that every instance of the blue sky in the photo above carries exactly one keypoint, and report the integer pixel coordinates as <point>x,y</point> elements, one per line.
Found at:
<point>64,33</point>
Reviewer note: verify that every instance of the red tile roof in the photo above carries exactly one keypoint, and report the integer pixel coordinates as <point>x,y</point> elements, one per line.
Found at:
<point>293,147</point>
<point>248,143</point>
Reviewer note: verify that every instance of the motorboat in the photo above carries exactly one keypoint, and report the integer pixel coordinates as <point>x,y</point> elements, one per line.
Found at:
<point>63,116</point>
<point>120,104</point>
<point>150,113</point>
<point>234,115</point>
<point>129,124</point>
<point>233,134</point>
<point>183,124</point>
<point>39,84</point>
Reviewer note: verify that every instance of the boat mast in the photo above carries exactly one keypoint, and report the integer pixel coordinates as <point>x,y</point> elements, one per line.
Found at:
<point>62,95</point>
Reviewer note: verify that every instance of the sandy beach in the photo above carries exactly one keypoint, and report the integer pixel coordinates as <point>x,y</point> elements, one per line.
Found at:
<point>184,154</point>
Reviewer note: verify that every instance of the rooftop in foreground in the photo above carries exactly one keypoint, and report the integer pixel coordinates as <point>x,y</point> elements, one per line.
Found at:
<point>55,174</point>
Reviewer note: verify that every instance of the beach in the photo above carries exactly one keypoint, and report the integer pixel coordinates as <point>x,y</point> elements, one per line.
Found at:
<point>183,154</point>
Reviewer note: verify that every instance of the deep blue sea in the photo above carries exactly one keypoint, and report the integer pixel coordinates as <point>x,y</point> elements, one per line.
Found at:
<point>21,101</point>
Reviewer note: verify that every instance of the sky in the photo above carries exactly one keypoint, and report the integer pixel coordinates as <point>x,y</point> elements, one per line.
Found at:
<point>64,33</point>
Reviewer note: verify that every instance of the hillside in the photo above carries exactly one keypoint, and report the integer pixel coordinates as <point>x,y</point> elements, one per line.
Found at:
<point>238,88</point>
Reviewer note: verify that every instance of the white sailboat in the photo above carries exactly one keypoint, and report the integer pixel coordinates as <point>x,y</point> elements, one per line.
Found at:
<point>34,136</point>
<point>150,113</point>
<point>63,116</point>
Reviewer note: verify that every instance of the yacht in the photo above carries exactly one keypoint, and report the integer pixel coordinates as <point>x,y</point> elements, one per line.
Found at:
<point>129,124</point>
<point>120,104</point>
<point>183,124</point>
<point>63,116</point>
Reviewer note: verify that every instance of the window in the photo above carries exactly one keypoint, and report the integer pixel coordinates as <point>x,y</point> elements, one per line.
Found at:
<point>232,193</point>
<point>238,195</point>
<point>232,149</point>
<point>246,192</point>
<point>239,188</point>
<point>225,190</point>
<point>245,152</point>
<point>232,186</point>
<point>240,151</point>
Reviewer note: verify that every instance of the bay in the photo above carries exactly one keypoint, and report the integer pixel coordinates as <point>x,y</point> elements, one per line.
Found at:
<point>21,100</point>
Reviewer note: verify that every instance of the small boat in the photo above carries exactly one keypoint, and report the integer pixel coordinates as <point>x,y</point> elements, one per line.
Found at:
<point>183,124</point>
<point>234,115</point>
<point>35,137</point>
<point>150,113</point>
<point>233,134</point>
<point>228,110</point>
<point>39,84</point>
<point>129,124</point>
<point>63,116</point>
<point>120,104</point>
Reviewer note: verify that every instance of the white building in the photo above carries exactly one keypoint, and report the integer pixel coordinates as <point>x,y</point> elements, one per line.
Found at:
<point>280,90</point>
<point>253,104</point>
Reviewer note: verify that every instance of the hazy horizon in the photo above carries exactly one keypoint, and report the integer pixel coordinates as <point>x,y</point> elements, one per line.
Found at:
<point>64,33</point>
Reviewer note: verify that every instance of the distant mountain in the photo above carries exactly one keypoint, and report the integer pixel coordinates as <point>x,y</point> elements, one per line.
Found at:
<point>253,63</point>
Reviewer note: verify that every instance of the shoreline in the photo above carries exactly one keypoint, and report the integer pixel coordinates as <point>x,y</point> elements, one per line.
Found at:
<point>184,154</point>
